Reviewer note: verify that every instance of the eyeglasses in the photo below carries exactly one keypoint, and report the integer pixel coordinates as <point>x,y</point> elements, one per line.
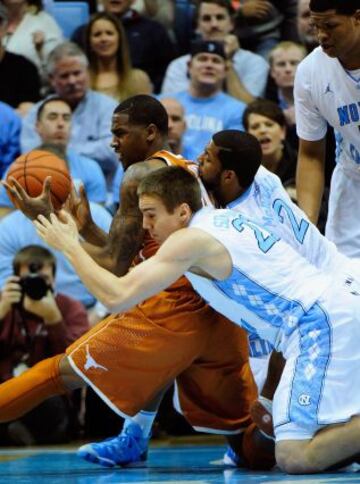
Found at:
<point>208,17</point>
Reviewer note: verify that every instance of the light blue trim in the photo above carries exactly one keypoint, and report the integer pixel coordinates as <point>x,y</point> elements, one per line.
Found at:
<point>311,367</point>
<point>278,311</point>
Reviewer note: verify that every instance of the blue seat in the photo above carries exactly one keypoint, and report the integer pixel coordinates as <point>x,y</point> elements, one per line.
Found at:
<point>70,15</point>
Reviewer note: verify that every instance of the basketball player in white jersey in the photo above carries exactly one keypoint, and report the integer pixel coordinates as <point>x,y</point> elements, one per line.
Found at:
<point>327,90</point>
<point>265,201</point>
<point>248,274</point>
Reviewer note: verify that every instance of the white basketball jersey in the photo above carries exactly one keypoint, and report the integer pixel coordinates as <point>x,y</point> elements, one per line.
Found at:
<point>327,93</point>
<point>271,287</point>
<point>268,203</point>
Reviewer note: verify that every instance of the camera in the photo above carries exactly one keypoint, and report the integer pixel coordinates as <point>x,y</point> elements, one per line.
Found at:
<point>33,284</point>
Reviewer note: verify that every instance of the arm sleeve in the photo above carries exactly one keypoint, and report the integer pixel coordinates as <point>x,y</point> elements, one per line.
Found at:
<point>255,76</point>
<point>13,142</point>
<point>53,34</point>
<point>29,139</point>
<point>310,124</point>
<point>175,77</point>
<point>95,183</point>
<point>235,117</point>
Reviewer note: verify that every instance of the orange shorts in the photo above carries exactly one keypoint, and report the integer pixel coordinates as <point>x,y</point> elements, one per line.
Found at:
<point>129,358</point>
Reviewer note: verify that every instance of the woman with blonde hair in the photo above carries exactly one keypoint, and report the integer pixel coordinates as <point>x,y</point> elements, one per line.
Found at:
<point>110,67</point>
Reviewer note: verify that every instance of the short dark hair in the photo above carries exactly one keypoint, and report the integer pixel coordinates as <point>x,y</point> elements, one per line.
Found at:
<point>144,110</point>
<point>173,185</point>
<point>240,152</point>
<point>266,108</point>
<point>221,3</point>
<point>36,255</point>
<point>342,7</point>
<point>48,101</point>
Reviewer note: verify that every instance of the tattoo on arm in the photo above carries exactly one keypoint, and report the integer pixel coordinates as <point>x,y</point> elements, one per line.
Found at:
<point>126,232</point>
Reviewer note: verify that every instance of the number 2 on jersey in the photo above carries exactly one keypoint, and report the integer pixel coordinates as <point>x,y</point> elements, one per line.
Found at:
<point>299,228</point>
<point>264,239</point>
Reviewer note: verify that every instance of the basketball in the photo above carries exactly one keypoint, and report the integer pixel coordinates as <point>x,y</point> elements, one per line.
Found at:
<point>31,169</point>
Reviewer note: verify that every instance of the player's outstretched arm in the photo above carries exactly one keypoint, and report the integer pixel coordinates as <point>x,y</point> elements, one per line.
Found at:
<point>176,256</point>
<point>310,177</point>
<point>116,251</point>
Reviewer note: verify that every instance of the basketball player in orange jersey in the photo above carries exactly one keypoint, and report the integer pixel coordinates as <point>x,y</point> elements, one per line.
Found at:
<point>130,358</point>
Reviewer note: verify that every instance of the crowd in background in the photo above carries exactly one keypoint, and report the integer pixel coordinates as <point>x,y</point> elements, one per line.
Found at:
<point>234,69</point>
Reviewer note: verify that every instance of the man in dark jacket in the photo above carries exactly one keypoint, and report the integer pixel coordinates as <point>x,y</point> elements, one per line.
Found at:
<point>35,324</point>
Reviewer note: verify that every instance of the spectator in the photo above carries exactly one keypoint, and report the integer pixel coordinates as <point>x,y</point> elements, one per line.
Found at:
<point>177,124</point>
<point>266,121</point>
<point>10,125</point>
<point>306,30</point>
<point>36,323</point>
<point>150,46</point>
<point>92,111</point>
<point>17,231</point>
<point>109,63</point>
<point>163,12</point>
<point>246,72</point>
<point>284,59</point>
<point>17,72</point>
<point>31,32</point>
<point>53,126</point>
<point>207,108</point>
<point>261,24</point>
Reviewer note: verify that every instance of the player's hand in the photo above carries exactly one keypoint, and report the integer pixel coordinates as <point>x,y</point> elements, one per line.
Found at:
<point>31,206</point>
<point>60,232</point>
<point>79,208</point>
<point>231,45</point>
<point>38,38</point>
<point>10,294</point>
<point>46,308</point>
<point>255,9</point>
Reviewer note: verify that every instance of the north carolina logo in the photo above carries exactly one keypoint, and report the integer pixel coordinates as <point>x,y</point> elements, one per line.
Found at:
<point>304,400</point>
<point>211,47</point>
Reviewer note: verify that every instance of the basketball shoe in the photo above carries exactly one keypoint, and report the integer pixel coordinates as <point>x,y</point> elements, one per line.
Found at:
<point>231,459</point>
<point>128,449</point>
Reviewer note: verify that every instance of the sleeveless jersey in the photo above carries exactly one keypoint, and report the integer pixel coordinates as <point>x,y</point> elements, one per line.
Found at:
<point>325,92</point>
<point>268,203</point>
<point>271,287</point>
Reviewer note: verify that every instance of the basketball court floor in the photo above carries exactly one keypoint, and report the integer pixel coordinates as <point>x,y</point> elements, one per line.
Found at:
<point>190,464</point>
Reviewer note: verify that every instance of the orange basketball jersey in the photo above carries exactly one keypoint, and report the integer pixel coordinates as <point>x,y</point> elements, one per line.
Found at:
<point>150,246</point>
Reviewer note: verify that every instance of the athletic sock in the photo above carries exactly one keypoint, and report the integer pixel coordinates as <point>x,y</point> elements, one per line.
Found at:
<point>144,419</point>
<point>21,394</point>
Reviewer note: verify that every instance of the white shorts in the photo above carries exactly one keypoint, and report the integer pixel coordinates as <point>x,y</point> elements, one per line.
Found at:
<point>343,223</point>
<point>259,355</point>
<point>320,384</point>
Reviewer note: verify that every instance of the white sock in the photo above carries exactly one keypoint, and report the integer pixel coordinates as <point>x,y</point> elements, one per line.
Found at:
<point>144,420</point>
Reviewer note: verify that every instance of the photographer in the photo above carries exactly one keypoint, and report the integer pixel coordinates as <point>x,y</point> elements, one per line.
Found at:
<point>35,324</point>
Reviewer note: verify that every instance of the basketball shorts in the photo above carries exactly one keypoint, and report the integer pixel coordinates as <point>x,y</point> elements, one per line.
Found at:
<point>320,384</point>
<point>342,226</point>
<point>129,358</point>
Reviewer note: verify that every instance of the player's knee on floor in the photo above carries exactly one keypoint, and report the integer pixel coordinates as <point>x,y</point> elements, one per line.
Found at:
<point>291,458</point>
<point>258,451</point>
